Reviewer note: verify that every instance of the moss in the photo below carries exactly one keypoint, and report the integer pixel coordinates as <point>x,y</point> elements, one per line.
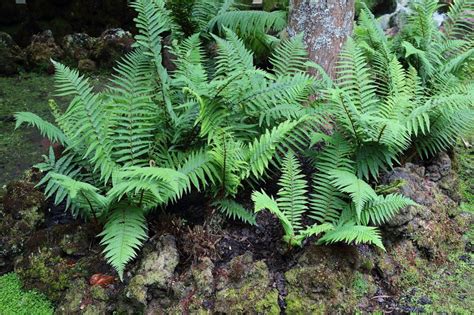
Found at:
<point>248,293</point>
<point>14,300</point>
<point>47,272</point>
<point>297,304</point>
<point>137,289</point>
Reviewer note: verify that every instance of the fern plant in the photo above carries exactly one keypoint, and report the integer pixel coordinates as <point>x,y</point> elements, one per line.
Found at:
<point>344,207</point>
<point>154,135</point>
<point>431,71</point>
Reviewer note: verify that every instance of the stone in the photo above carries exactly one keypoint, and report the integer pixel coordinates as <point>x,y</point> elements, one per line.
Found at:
<point>244,286</point>
<point>112,45</point>
<point>84,299</point>
<point>430,225</point>
<point>156,269</point>
<point>316,284</point>
<point>86,65</point>
<point>42,49</point>
<point>78,46</point>
<point>12,57</point>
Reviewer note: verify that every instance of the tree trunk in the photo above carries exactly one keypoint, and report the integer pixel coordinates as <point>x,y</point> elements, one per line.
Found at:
<point>326,25</point>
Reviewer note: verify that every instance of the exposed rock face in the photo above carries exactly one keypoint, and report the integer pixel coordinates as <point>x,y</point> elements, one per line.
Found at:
<point>62,17</point>
<point>315,284</point>
<point>42,49</point>
<point>12,57</point>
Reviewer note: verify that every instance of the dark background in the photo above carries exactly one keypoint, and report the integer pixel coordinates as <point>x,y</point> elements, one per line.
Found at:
<point>62,17</point>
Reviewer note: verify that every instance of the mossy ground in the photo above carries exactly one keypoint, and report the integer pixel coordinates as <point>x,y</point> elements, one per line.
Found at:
<point>15,301</point>
<point>20,149</point>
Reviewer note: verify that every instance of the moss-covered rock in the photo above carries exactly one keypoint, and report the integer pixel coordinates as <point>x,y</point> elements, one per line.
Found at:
<point>322,281</point>
<point>21,212</point>
<point>47,272</point>
<point>156,269</point>
<point>82,298</point>
<point>244,287</point>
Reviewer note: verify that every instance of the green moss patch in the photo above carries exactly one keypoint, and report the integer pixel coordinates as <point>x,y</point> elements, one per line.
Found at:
<point>15,301</point>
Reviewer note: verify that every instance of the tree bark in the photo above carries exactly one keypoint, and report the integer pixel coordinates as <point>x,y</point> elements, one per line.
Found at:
<point>326,24</point>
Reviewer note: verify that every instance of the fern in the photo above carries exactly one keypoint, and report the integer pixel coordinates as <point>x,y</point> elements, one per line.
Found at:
<point>292,195</point>
<point>47,129</point>
<point>359,191</point>
<point>235,210</point>
<point>123,234</point>
<point>351,233</point>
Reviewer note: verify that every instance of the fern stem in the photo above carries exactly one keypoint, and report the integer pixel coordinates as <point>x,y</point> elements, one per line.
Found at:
<point>381,133</point>
<point>90,206</point>
<point>350,119</point>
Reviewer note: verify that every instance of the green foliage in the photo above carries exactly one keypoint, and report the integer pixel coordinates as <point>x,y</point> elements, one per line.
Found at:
<point>291,203</point>
<point>14,300</point>
<point>155,134</point>
<point>256,28</point>
<point>338,218</point>
<point>424,72</point>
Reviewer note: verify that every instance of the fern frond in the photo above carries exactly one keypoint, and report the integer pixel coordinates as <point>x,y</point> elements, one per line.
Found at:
<point>235,210</point>
<point>249,23</point>
<point>351,233</point>
<point>262,201</point>
<point>134,113</point>
<point>381,209</point>
<point>47,129</point>
<point>87,118</point>
<point>290,56</point>
<point>292,198</point>
<point>326,200</point>
<point>147,186</point>
<point>263,149</point>
<point>123,234</point>
<point>83,195</point>
<point>361,192</point>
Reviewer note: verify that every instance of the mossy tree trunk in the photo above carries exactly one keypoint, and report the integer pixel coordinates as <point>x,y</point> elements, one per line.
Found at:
<point>326,24</point>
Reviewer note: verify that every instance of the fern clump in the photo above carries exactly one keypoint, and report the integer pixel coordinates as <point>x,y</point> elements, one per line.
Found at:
<point>345,207</point>
<point>423,73</point>
<point>154,134</point>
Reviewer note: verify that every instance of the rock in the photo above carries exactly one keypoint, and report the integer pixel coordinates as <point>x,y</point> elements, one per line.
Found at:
<point>316,284</point>
<point>45,271</point>
<point>42,49</point>
<point>84,299</point>
<point>12,57</point>
<point>22,198</point>
<point>245,287</point>
<point>78,46</point>
<point>76,243</point>
<point>112,45</point>
<point>156,269</point>
<point>86,65</point>
<point>434,225</point>
<point>21,213</point>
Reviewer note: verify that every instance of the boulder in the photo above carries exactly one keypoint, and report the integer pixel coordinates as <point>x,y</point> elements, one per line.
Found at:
<point>112,45</point>
<point>321,281</point>
<point>12,57</point>
<point>78,46</point>
<point>42,49</point>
